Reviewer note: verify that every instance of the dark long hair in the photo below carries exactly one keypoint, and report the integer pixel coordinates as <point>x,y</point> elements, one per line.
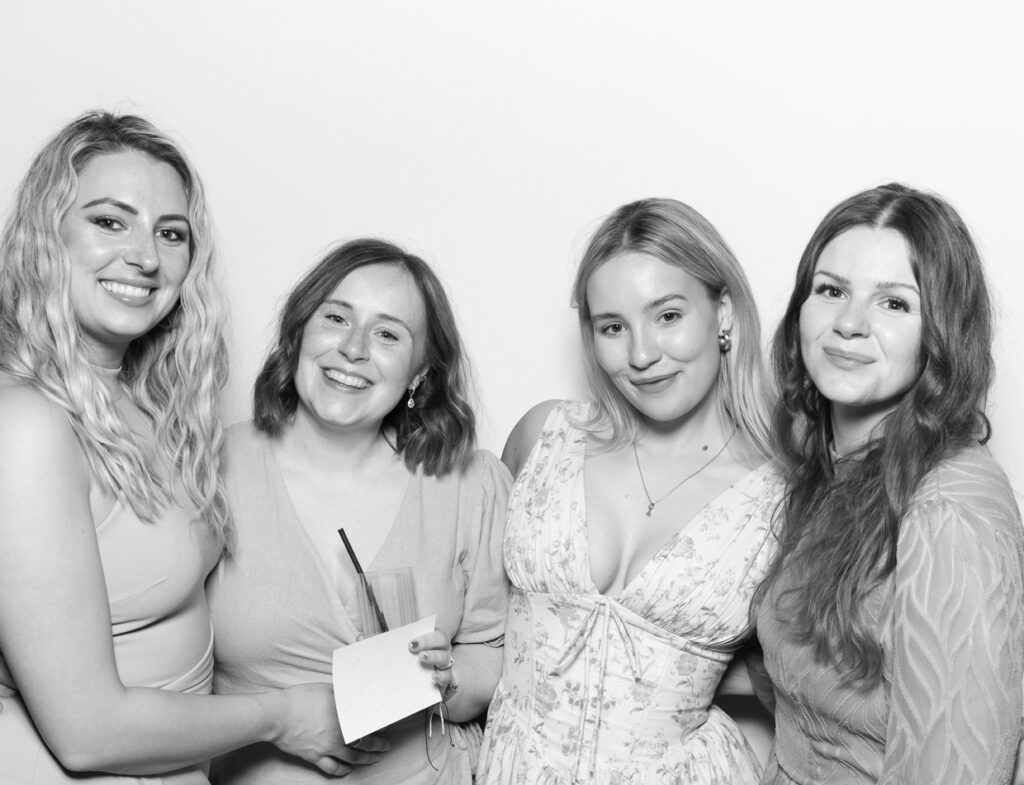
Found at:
<point>840,523</point>
<point>440,432</point>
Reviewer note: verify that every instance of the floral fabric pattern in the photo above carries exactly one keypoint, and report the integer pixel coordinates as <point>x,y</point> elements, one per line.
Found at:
<point>602,689</point>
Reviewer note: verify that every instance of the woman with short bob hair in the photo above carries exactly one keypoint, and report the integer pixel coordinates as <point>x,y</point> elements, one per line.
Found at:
<point>439,433</point>
<point>362,422</point>
<point>640,522</point>
<point>892,625</point>
<point>111,360</point>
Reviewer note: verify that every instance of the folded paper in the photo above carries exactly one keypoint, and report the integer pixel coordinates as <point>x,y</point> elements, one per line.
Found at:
<point>378,681</point>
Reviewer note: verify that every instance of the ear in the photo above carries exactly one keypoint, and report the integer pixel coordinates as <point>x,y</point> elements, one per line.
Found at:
<point>420,375</point>
<point>725,311</point>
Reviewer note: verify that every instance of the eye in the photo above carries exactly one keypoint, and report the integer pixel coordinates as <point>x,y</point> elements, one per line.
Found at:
<point>388,335</point>
<point>334,318</point>
<point>611,329</point>
<point>108,223</point>
<point>172,236</point>
<point>670,317</point>
<point>896,304</point>
<point>828,290</point>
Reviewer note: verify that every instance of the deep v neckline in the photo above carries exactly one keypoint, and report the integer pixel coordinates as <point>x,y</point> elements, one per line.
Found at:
<point>295,522</point>
<point>665,547</point>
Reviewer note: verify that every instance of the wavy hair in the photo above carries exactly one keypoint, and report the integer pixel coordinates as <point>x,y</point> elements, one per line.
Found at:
<point>841,522</point>
<point>173,373</point>
<point>676,234</point>
<point>440,432</point>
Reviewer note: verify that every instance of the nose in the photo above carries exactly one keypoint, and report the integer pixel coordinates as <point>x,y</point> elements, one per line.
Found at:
<point>142,254</point>
<point>643,350</point>
<point>852,320</point>
<point>353,345</point>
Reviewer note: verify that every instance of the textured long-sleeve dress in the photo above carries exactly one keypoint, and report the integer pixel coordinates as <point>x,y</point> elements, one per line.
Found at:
<point>951,624</point>
<point>602,689</point>
<point>278,614</point>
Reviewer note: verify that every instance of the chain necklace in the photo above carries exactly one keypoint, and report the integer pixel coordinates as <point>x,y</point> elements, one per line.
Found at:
<point>651,502</point>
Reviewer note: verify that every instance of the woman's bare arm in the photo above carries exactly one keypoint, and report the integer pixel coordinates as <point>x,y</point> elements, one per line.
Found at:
<point>55,629</point>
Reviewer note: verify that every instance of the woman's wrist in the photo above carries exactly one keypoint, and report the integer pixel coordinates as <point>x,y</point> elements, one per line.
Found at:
<point>270,711</point>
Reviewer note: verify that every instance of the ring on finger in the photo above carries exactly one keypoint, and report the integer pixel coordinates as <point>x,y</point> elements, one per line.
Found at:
<point>448,666</point>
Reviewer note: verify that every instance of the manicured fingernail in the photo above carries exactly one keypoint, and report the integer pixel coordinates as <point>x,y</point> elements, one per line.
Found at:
<point>424,657</point>
<point>414,646</point>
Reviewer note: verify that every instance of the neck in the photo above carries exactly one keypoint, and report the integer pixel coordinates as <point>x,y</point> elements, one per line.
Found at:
<point>309,442</point>
<point>852,428</point>
<point>110,378</point>
<point>700,427</point>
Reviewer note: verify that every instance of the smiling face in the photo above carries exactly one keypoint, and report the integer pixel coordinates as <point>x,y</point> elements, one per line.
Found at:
<point>655,331</point>
<point>362,349</point>
<point>127,236</point>
<point>860,328</point>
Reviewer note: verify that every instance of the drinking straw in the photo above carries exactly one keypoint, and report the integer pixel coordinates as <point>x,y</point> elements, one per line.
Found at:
<point>365,583</point>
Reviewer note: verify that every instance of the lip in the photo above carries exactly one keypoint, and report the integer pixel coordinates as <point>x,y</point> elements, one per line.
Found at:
<point>128,292</point>
<point>845,359</point>
<point>653,384</point>
<point>350,381</point>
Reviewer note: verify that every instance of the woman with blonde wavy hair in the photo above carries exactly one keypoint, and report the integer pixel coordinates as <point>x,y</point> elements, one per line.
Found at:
<point>639,523</point>
<point>111,359</point>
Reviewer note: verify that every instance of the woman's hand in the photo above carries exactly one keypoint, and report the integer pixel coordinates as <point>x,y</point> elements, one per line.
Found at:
<point>435,651</point>
<point>307,727</point>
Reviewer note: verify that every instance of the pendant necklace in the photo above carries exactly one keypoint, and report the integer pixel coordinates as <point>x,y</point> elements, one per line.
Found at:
<point>651,502</point>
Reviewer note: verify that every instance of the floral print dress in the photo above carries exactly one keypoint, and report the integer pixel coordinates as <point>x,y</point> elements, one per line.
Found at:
<point>601,689</point>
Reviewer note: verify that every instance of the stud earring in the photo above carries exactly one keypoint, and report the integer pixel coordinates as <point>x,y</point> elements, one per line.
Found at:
<point>725,341</point>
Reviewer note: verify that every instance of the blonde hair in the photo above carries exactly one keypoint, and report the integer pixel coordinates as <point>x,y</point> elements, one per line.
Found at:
<point>173,373</point>
<point>676,234</point>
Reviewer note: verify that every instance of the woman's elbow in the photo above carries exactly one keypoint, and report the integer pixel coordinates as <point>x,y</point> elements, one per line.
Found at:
<point>83,749</point>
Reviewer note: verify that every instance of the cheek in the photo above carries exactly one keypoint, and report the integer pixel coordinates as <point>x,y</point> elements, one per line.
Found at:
<point>689,345</point>
<point>606,355</point>
<point>178,271</point>
<point>806,324</point>
<point>910,350</point>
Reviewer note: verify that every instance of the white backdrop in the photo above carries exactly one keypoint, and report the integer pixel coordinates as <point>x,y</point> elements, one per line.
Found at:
<point>491,137</point>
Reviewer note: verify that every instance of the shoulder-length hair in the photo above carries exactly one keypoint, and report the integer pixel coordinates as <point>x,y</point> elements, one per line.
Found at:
<point>841,523</point>
<point>676,234</point>
<point>440,432</point>
<point>173,373</point>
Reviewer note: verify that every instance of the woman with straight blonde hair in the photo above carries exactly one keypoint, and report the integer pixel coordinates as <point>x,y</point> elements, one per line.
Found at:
<point>639,523</point>
<point>111,359</point>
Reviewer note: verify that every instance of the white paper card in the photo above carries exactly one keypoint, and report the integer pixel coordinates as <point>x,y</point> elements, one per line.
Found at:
<point>378,681</point>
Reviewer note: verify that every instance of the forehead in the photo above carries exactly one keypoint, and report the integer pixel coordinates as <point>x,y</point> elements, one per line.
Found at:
<point>130,173</point>
<point>868,253</point>
<point>639,278</point>
<point>382,289</point>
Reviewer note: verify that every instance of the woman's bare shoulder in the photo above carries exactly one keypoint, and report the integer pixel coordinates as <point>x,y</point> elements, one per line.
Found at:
<point>524,434</point>
<point>35,429</point>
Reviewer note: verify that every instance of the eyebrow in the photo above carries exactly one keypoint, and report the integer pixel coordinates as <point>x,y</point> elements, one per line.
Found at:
<point>386,316</point>
<point>648,307</point>
<point>878,284</point>
<point>131,210</point>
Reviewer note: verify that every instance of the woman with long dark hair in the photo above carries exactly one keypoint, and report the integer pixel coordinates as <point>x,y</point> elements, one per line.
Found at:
<point>893,624</point>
